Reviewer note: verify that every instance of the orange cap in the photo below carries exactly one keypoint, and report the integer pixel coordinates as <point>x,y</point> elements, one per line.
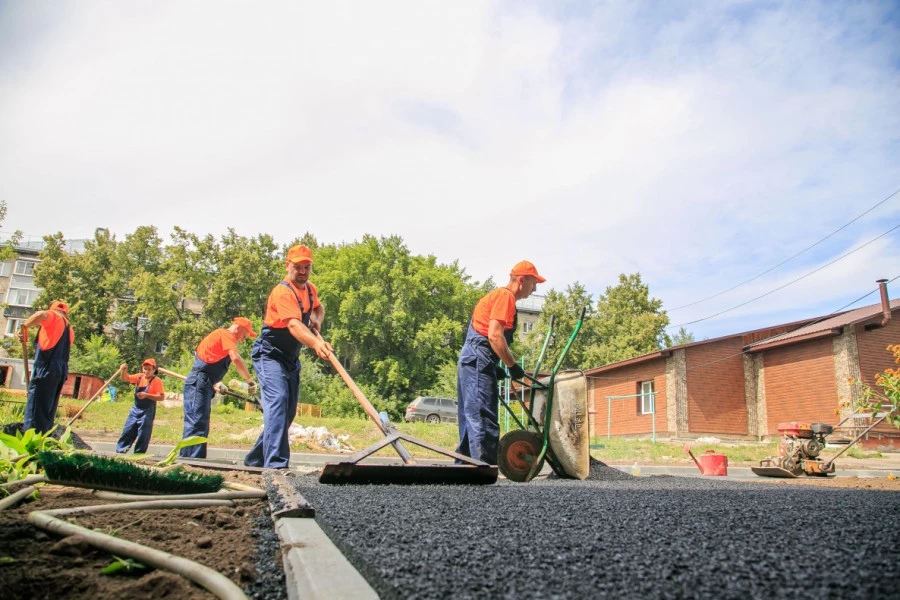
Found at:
<point>60,306</point>
<point>299,254</point>
<point>149,361</point>
<point>526,268</point>
<point>245,323</point>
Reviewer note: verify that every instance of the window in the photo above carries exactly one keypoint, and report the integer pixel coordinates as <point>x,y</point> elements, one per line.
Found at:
<point>161,347</point>
<point>12,326</point>
<point>646,398</point>
<point>527,327</point>
<point>5,269</point>
<point>21,297</point>
<point>25,267</point>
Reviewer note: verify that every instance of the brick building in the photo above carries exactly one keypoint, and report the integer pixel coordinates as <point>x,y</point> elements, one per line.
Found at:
<point>741,386</point>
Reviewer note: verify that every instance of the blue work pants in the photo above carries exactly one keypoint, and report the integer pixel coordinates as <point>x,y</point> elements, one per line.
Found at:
<point>477,393</point>
<point>199,389</point>
<point>279,388</point>
<point>138,427</point>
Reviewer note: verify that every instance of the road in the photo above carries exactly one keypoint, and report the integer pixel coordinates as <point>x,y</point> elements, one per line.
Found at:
<point>615,536</point>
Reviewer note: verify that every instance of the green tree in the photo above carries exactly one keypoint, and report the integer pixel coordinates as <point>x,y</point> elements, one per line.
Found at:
<point>96,356</point>
<point>564,308</point>
<point>392,317</point>
<point>98,283</point>
<point>627,323</point>
<point>682,337</point>
<point>7,249</point>
<point>54,275</point>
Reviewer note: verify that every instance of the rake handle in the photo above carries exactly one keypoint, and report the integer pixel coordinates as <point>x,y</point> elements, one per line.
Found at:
<point>94,397</point>
<point>367,406</point>
<point>25,361</point>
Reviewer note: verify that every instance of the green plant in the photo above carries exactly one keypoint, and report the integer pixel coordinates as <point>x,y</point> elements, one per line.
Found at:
<point>126,564</point>
<point>19,453</point>
<point>173,455</point>
<point>872,400</point>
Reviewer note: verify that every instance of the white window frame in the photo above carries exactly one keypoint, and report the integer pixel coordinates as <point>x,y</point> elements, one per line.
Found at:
<point>527,327</point>
<point>12,326</point>
<point>5,269</point>
<point>14,300</point>
<point>23,263</point>
<point>647,404</point>
<point>161,347</point>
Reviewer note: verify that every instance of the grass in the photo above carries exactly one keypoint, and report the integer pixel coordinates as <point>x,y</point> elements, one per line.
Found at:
<point>234,427</point>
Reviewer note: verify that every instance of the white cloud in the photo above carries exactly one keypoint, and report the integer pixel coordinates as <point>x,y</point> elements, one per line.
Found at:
<point>697,144</point>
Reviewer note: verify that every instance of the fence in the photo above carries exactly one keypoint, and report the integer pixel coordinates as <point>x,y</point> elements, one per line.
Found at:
<point>652,411</point>
<point>308,410</point>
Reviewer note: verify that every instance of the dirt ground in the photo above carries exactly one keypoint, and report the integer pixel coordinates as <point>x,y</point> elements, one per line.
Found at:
<point>35,564</point>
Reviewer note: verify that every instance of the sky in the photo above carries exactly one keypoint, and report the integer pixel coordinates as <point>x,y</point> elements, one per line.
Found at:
<point>697,143</point>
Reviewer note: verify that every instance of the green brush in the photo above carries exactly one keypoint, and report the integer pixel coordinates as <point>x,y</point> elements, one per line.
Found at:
<point>113,474</point>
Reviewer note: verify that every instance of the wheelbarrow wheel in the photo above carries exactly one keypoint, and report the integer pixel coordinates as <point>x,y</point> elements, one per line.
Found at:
<point>519,450</point>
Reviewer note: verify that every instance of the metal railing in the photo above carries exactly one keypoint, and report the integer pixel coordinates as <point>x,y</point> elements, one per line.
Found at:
<point>652,395</point>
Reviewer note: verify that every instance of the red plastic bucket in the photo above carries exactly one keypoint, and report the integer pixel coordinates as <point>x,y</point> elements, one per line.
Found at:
<point>711,463</point>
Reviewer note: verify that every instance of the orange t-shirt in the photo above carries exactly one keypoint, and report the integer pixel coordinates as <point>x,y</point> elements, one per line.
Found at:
<point>51,330</point>
<point>156,386</point>
<point>216,346</point>
<point>282,305</point>
<point>499,305</point>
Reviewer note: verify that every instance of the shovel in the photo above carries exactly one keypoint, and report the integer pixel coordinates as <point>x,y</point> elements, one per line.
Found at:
<point>472,472</point>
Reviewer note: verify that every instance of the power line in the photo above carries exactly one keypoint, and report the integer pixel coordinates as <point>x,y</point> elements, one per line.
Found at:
<point>781,287</point>
<point>787,260</point>
<point>718,360</point>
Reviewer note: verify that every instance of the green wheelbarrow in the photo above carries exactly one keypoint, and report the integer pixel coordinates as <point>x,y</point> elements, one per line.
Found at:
<point>559,433</point>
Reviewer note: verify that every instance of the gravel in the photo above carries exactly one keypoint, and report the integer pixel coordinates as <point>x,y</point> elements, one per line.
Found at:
<point>614,537</point>
<point>270,582</point>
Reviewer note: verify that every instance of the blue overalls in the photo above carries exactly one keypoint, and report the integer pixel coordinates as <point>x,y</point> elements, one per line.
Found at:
<point>48,374</point>
<point>276,361</point>
<point>477,396</point>
<point>198,393</point>
<point>139,423</point>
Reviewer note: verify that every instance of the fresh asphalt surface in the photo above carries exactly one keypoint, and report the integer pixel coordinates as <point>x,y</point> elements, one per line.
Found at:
<point>615,536</point>
<point>612,536</point>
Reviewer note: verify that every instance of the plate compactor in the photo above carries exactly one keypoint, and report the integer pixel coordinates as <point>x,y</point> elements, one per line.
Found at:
<point>556,426</point>
<point>800,446</point>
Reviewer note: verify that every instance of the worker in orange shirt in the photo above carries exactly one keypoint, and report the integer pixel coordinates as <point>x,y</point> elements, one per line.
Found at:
<point>213,356</point>
<point>490,333</point>
<point>148,390</point>
<point>293,317</point>
<point>50,366</point>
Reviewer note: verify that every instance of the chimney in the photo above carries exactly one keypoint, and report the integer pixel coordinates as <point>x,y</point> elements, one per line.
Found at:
<point>885,303</point>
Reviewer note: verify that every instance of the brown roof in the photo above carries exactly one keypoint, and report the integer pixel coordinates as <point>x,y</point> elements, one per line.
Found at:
<point>825,326</point>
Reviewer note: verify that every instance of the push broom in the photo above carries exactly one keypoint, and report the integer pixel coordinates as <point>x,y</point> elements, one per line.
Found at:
<point>471,472</point>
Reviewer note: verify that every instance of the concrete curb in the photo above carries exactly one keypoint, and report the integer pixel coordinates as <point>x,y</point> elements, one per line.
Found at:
<point>313,566</point>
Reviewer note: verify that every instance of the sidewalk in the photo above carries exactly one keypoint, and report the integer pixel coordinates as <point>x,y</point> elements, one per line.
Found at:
<point>304,462</point>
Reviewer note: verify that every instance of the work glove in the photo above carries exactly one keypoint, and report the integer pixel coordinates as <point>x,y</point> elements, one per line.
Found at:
<point>517,372</point>
<point>252,388</point>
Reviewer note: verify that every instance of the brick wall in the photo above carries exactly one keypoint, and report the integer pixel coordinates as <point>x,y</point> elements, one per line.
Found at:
<point>874,357</point>
<point>626,417</point>
<point>872,347</point>
<point>715,388</point>
<point>800,385</point>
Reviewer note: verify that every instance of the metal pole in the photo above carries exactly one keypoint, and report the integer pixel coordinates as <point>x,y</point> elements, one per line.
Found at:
<point>608,415</point>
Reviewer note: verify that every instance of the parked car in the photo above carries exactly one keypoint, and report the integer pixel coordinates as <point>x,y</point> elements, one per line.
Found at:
<point>432,410</point>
